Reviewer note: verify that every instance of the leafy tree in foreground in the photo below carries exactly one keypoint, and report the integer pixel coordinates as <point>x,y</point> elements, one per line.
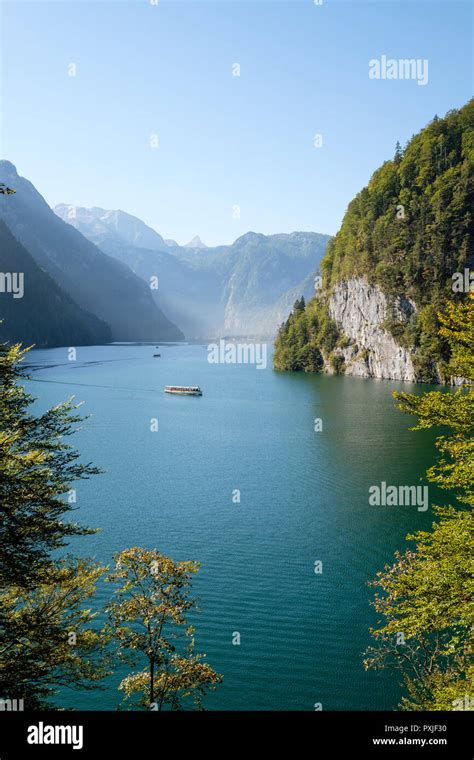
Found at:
<point>455,468</point>
<point>37,471</point>
<point>150,619</point>
<point>426,630</point>
<point>427,609</point>
<point>46,639</point>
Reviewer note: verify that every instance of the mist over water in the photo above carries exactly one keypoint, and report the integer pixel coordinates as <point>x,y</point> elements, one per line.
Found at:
<point>304,498</point>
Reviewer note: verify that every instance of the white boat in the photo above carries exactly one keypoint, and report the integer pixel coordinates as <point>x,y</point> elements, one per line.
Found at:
<point>184,390</point>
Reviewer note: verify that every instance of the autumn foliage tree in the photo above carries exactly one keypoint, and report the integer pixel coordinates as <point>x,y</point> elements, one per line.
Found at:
<point>149,622</point>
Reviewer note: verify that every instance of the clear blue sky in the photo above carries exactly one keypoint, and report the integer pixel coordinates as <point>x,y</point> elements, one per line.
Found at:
<point>166,69</point>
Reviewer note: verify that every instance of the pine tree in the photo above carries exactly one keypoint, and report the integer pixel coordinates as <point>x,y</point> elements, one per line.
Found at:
<point>398,153</point>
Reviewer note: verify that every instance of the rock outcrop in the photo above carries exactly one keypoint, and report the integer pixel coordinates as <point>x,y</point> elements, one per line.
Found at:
<point>359,310</point>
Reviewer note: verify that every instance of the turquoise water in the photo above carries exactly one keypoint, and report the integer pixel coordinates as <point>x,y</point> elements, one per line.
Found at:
<point>304,498</point>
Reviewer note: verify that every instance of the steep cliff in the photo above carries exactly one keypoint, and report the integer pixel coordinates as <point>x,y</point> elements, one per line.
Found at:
<point>391,267</point>
<point>360,311</point>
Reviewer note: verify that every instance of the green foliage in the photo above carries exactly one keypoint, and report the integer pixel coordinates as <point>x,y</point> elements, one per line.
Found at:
<point>337,363</point>
<point>37,469</point>
<point>455,468</point>
<point>48,639</point>
<point>411,227</point>
<point>149,621</point>
<point>307,337</point>
<point>457,326</point>
<point>427,594</point>
<point>41,599</point>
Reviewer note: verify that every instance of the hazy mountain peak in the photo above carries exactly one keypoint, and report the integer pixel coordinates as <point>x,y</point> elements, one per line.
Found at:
<point>124,310</point>
<point>196,242</point>
<point>125,226</point>
<point>66,211</point>
<point>7,168</point>
<point>250,237</point>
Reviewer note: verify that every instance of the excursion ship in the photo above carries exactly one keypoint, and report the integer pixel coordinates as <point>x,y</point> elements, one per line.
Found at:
<point>184,390</point>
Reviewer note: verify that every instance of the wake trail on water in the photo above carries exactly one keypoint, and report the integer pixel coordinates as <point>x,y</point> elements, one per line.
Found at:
<point>93,385</point>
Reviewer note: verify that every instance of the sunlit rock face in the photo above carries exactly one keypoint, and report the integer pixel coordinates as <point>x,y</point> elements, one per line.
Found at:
<point>359,310</point>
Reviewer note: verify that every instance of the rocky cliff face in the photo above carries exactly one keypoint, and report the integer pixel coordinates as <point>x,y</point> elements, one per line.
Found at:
<point>359,309</point>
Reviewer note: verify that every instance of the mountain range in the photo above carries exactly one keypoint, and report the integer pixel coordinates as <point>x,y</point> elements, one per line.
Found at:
<point>122,304</point>
<point>94,276</point>
<point>243,289</point>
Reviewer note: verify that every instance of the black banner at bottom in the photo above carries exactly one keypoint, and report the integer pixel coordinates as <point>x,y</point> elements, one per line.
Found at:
<point>119,734</point>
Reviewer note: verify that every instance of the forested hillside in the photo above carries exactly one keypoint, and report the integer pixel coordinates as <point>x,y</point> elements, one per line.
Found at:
<point>406,233</point>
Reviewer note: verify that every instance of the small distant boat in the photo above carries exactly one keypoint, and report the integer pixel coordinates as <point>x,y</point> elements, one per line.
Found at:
<point>156,354</point>
<point>184,390</point>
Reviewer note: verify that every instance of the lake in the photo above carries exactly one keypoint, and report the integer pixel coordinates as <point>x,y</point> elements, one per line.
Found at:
<point>303,500</point>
